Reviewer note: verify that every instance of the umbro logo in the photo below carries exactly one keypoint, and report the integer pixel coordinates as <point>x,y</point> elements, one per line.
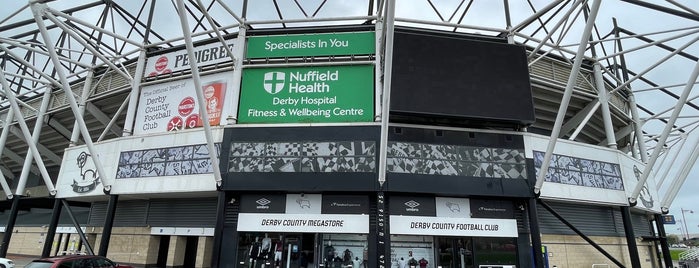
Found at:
<point>412,205</point>
<point>263,203</point>
<point>274,82</point>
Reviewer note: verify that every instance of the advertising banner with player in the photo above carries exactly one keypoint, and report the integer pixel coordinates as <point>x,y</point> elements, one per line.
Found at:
<point>307,94</point>
<point>173,105</point>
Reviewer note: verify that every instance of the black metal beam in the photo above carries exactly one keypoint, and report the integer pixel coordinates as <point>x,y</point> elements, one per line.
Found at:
<point>630,237</point>
<point>51,232</point>
<point>660,45</point>
<point>664,9</point>
<point>108,224</point>
<point>218,230</point>
<point>535,233</point>
<point>583,236</point>
<point>10,226</point>
<point>76,224</point>
<point>667,258</point>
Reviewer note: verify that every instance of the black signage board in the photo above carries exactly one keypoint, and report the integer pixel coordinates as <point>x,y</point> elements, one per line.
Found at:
<point>294,159</point>
<point>261,203</point>
<point>412,205</point>
<point>492,209</point>
<point>345,204</point>
<point>484,80</point>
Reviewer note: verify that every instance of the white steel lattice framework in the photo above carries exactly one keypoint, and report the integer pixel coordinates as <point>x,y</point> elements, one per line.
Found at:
<point>96,51</point>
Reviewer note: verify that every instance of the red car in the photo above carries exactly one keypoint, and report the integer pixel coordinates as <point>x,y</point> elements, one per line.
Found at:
<point>75,261</point>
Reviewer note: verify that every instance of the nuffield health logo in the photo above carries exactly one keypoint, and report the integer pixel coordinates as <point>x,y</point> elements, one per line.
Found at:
<point>274,82</point>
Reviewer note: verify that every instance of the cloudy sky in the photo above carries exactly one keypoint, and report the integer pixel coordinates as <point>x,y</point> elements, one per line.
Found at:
<point>484,14</point>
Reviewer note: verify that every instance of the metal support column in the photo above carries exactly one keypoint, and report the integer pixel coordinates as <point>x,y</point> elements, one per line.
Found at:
<point>567,94</point>
<point>37,12</point>
<point>604,101</point>
<point>534,231</point>
<point>51,232</point>
<point>136,84</point>
<point>201,100</point>
<point>26,168</point>
<point>10,226</point>
<point>679,179</point>
<point>108,224</point>
<point>389,19</point>
<point>630,237</point>
<point>3,139</point>
<point>218,230</point>
<point>87,86</point>
<point>667,258</point>
<point>10,95</point>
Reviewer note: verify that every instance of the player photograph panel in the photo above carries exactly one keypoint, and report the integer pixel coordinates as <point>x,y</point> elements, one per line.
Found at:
<point>347,164</point>
<point>176,168</point>
<point>434,151</point>
<point>152,169</point>
<point>133,157</point>
<point>438,167</point>
<point>345,148</point>
<point>245,149</point>
<point>508,171</point>
<point>313,148</point>
<point>405,149</point>
<point>567,162</point>
<point>486,169</point>
<point>614,183</point>
<point>201,166</point>
<point>200,151</point>
<point>128,171</point>
<point>282,164</point>
<point>571,177</point>
<point>470,169</point>
<point>365,164</point>
<point>483,154</point>
<point>590,166</point>
<point>593,180</point>
<point>610,169</point>
<point>308,164</point>
<point>287,148</point>
<point>539,159</point>
<point>328,164</point>
<point>180,153</point>
<point>154,155</point>
<point>367,148</point>
<point>246,164</point>
<point>555,175</point>
<point>503,155</point>
<point>402,165</point>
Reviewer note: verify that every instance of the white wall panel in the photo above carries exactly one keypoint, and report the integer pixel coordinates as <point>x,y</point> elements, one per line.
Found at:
<point>109,154</point>
<point>567,191</point>
<point>648,200</point>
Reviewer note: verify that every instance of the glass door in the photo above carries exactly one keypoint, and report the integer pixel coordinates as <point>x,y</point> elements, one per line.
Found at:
<point>454,252</point>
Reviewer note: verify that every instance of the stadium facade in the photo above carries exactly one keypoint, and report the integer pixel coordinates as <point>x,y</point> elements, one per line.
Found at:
<point>368,144</point>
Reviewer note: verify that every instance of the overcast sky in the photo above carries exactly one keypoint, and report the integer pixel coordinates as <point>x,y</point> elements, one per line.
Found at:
<point>488,13</point>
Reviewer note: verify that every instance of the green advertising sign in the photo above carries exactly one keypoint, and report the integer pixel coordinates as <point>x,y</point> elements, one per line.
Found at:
<point>307,94</point>
<point>298,45</point>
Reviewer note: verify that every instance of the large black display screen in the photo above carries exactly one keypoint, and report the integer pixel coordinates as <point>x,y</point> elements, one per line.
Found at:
<point>454,76</point>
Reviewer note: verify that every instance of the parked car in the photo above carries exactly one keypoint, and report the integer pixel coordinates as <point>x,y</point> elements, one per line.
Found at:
<point>6,263</point>
<point>75,261</point>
